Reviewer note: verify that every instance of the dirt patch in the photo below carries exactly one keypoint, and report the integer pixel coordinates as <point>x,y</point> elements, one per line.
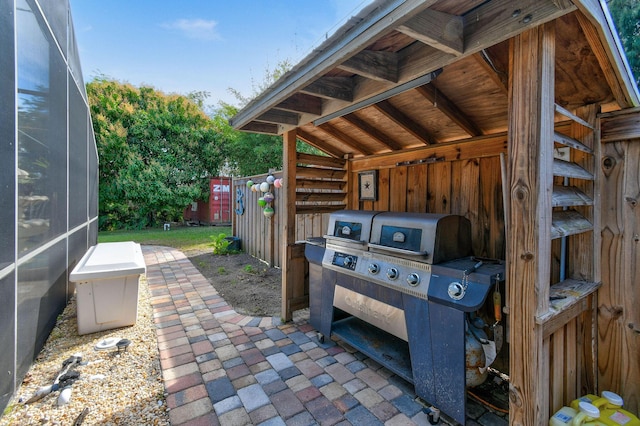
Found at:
<point>246,283</point>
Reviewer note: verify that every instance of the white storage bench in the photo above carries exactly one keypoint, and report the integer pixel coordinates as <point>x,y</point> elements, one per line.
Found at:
<point>107,280</point>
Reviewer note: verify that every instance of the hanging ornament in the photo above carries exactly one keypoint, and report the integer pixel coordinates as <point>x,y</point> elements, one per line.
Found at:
<point>268,211</point>
<point>268,197</point>
<point>277,183</point>
<point>249,183</point>
<point>270,179</point>
<point>255,188</point>
<point>264,187</point>
<point>262,202</point>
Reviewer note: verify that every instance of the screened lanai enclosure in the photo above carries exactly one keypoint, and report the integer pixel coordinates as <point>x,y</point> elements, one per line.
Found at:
<point>517,118</point>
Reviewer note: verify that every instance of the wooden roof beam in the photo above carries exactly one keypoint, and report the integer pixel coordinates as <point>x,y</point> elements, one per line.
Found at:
<point>318,143</point>
<point>279,117</point>
<point>301,103</point>
<point>381,66</point>
<point>340,88</point>
<point>431,93</point>
<point>498,76</point>
<point>404,121</point>
<point>257,127</point>
<point>371,131</point>
<point>344,138</point>
<point>591,33</point>
<point>441,30</point>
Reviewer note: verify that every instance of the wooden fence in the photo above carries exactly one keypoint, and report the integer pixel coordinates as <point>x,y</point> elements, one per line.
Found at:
<point>261,236</point>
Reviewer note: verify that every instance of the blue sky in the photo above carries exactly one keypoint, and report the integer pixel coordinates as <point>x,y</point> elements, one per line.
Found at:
<point>193,45</point>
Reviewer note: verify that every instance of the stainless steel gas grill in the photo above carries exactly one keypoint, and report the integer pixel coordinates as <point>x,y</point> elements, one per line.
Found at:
<point>399,287</point>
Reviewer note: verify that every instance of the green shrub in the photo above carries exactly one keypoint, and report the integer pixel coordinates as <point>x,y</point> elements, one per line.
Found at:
<point>220,245</point>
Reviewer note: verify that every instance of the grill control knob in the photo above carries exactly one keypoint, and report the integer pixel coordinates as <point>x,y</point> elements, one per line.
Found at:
<point>349,261</point>
<point>373,268</point>
<point>392,273</point>
<point>456,290</point>
<point>413,279</point>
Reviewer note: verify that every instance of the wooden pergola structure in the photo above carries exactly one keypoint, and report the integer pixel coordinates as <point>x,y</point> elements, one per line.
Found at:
<point>520,115</point>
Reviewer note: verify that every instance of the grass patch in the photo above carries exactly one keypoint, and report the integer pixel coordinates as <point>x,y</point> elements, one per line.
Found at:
<point>183,238</point>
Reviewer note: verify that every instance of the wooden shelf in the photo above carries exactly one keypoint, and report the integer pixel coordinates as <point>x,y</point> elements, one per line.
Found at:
<point>312,208</point>
<point>569,196</point>
<point>568,222</point>
<point>571,142</point>
<point>573,117</point>
<point>568,300</point>
<point>570,170</point>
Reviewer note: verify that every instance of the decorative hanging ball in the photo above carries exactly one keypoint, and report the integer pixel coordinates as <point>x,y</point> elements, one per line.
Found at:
<point>262,202</point>
<point>277,183</point>
<point>268,211</point>
<point>255,188</point>
<point>268,197</point>
<point>270,179</point>
<point>249,183</point>
<point>264,187</point>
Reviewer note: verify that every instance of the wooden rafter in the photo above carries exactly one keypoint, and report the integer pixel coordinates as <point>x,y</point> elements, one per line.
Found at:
<point>257,127</point>
<point>591,34</point>
<point>441,30</point>
<point>371,131</point>
<point>279,117</point>
<point>340,88</point>
<point>499,77</point>
<point>344,138</point>
<point>302,103</point>
<point>404,121</point>
<point>431,93</point>
<point>382,66</point>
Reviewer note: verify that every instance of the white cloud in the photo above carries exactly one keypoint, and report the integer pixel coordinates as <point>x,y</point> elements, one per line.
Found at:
<point>198,29</point>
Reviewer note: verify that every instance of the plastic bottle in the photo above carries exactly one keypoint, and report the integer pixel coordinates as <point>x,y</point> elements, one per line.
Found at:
<point>611,411</point>
<point>568,416</point>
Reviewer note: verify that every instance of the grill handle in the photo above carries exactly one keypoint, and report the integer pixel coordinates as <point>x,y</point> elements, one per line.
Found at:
<point>399,250</point>
<point>347,240</point>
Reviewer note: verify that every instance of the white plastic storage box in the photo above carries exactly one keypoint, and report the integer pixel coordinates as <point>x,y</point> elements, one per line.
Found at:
<point>107,280</point>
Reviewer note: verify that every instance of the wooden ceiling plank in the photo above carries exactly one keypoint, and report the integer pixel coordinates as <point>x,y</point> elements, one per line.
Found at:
<point>340,88</point>
<point>404,121</point>
<point>441,30</point>
<point>279,117</point>
<point>318,143</point>
<point>302,103</point>
<point>431,93</point>
<point>374,133</point>
<point>344,138</point>
<point>381,66</point>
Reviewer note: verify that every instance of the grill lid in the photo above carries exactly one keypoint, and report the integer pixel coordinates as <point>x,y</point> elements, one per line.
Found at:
<point>432,237</point>
<point>350,226</point>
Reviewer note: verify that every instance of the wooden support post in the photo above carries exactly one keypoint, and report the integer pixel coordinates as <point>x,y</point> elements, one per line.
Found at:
<point>531,111</point>
<point>288,237</point>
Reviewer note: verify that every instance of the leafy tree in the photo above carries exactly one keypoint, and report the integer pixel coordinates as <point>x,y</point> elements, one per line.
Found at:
<point>253,153</point>
<point>626,15</point>
<point>156,153</point>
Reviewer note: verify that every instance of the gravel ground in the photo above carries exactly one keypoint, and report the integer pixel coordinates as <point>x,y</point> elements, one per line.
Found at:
<point>117,388</point>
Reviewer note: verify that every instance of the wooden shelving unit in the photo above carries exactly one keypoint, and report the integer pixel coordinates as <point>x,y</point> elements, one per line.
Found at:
<point>573,216</point>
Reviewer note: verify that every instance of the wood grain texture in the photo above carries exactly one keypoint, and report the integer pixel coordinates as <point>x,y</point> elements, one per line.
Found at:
<point>531,100</point>
<point>619,298</point>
